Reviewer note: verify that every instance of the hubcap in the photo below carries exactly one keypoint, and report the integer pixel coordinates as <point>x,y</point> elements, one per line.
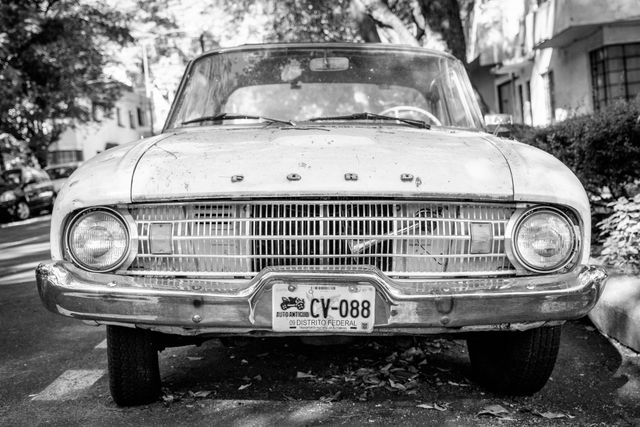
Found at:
<point>23,210</point>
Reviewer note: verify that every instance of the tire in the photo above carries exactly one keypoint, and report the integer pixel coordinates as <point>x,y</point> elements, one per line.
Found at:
<point>23,211</point>
<point>134,374</point>
<point>514,363</point>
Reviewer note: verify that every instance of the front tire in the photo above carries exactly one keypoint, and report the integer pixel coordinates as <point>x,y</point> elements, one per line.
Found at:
<point>514,363</point>
<point>134,374</point>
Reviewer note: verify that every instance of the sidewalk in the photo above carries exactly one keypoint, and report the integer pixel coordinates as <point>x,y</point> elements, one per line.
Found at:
<point>617,314</point>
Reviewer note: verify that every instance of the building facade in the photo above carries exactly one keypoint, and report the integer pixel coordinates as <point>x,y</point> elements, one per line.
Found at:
<point>542,61</point>
<point>127,121</point>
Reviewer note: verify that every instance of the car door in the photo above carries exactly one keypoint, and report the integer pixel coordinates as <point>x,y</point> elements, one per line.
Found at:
<point>38,187</point>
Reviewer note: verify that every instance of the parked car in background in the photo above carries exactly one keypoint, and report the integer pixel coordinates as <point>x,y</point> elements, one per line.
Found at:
<point>23,191</point>
<point>323,191</point>
<point>60,173</point>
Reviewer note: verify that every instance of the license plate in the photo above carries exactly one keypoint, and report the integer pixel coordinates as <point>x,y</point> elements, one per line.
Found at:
<point>323,308</point>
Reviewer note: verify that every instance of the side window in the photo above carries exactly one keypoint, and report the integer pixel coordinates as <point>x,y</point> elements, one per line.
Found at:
<point>43,176</point>
<point>28,176</point>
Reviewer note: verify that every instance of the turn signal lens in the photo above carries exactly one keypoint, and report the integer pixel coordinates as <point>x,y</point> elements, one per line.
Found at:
<point>98,240</point>
<point>544,240</point>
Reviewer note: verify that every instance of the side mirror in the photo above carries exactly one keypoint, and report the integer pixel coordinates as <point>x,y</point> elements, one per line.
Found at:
<point>499,124</point>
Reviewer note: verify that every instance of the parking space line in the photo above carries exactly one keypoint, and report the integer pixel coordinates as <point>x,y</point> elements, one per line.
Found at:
<point>26,221</point>
<point>70,384</point>
<point>101,344</point>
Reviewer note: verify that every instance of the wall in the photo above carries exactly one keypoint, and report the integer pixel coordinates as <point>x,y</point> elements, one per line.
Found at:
<point>92,137</point>
<point>584,12</point>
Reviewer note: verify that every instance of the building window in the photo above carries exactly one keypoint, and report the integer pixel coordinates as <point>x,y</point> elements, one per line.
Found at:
<point>141,121</point>
<point>63,156</point>
<point>550,87</point>
<point>132,124</point>
<point>97,112</point>
<point>615,73</point>
<point>119,117</point>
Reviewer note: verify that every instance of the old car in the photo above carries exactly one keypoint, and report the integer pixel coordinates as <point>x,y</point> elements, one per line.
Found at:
<point>25,190</point>
<point>357,178</point>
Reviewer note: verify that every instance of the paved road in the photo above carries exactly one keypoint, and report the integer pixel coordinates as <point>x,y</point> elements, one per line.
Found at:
<point>52,371</point>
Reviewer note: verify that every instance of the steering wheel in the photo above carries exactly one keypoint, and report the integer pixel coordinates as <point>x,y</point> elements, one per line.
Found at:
<point>402,108</point>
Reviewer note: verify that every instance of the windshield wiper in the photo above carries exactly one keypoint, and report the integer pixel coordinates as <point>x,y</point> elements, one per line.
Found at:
<point>227,116</point>
<point>371,116</point>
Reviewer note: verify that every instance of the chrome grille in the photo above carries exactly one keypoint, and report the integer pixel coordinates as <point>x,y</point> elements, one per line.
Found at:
<point>401,238</point>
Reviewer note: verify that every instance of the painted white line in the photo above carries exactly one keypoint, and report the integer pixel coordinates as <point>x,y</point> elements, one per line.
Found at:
<point>23,241</point>
<point>102,344</point>
<point>27,221</point>
<point>25,273</point>
<point>24,250</point>
<point>70,384</point>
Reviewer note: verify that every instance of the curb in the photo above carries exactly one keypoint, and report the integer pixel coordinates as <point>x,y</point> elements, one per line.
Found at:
<point>617,313</point>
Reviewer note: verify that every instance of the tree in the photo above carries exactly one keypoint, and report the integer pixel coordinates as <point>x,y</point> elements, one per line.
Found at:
<point>436,24</point>
<point>52,66</point>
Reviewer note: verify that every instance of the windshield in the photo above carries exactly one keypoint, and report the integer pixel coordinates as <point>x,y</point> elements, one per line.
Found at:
<point>302,83</point>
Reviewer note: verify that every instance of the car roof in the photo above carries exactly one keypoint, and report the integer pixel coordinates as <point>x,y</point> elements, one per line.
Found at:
<point>331,45</point>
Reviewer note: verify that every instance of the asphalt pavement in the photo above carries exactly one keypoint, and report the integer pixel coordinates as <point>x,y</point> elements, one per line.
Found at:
<point>53,372</point>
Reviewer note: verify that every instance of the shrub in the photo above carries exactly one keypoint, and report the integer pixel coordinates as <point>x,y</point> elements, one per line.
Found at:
<point>621,230</point>
<point>602,149</point>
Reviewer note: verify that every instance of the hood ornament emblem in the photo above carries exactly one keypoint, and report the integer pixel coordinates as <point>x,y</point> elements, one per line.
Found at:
<point>294,177</point>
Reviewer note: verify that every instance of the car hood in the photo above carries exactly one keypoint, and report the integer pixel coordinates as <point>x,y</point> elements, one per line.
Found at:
<point>201,162</point>
<point>292,162</point>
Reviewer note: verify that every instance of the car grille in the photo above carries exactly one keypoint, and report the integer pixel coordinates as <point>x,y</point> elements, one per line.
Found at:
<point>401,238</point>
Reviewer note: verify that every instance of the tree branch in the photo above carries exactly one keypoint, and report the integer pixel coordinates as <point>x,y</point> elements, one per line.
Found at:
<point>382,15</point>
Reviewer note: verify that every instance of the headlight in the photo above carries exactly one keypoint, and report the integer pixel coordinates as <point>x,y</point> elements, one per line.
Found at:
<point>544,239</point>
<point>7,196</point>
<point>98,240</point>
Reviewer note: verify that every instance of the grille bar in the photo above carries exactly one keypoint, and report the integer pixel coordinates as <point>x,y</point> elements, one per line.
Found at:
<point>401,238</point>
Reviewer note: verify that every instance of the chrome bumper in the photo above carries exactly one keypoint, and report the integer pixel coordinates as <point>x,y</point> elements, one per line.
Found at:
<point>240,307</point>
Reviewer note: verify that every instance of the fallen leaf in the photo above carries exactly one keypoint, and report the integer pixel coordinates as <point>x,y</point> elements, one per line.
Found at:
<point>202,393</point>
<point>590,328</point>
<point>458,384</point>
<point>258,377</point>
<point>194,358</point>
<point>242,387</point>
<point>434,406</point>
<point>551,415</point>
<point>246,379</point>
<point>331,397</point>
<point>396,385</point>
<point>494,411</point>
<point>262,355</point>
<point>244,362</point>
<point>302,375</point>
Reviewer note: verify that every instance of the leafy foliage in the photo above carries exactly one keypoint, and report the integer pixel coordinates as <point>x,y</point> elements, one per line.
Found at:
<point>602,149</point>
<point>429,23</point>
<point>622,231</point>
<point>51,65</point>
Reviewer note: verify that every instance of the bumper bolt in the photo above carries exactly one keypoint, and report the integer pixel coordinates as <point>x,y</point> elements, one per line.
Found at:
<point>292,288</point>
<point>196,318</point>
<point>444,320</point>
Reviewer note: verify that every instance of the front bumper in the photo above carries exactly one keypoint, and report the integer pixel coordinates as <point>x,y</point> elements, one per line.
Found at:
<point>195,307</point>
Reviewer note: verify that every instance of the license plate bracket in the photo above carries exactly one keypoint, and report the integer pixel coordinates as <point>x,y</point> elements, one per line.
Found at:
<point>323,308</point>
